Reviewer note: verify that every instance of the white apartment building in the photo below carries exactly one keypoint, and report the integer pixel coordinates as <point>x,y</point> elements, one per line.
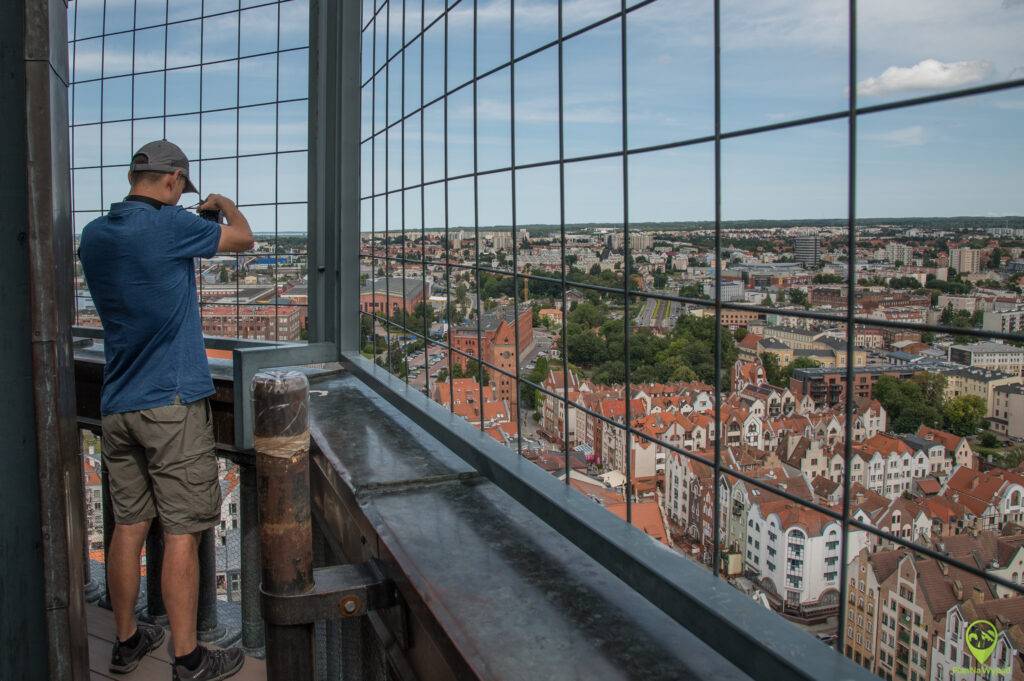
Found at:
<point>795,550</point>
<point>950,652</point>
<point>1007,412</point>
<point>884,464</point>
<point>897,252</point>
<point>1010,320</point>
<point>965,260</point>
<point>989,355</point>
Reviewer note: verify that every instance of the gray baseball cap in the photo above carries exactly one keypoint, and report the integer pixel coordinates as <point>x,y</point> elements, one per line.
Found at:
<point>163,157</point>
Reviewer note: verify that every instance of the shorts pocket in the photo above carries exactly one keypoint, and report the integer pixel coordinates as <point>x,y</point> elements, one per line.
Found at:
<point>202,470</point>
<point>171,413</point>
<point>204,490</point>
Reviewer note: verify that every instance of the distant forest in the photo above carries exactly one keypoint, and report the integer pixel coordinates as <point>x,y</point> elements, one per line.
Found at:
<point>964,223</point>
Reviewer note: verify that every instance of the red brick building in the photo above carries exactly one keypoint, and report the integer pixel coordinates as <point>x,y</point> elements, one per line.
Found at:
<point>384,295</point>
<point>498,338</point>
<point>258,322</point>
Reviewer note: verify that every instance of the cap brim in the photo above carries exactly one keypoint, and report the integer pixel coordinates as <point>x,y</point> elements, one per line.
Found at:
<point>189,187</point>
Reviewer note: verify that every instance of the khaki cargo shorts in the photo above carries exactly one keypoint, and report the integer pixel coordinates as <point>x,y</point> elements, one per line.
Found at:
<point>160,462</point>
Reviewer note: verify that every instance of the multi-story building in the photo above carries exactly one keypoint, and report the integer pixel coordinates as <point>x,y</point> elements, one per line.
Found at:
<point>989,355</point>
<point>501,241</point>
<point>807,250</point>
<point>861,640</point>
<point>554,419</point>
<point>388,295</point>
<point>1006,416</point>
<point>1006,321</point>
<point>640,243</point>
<point>795,553</point>
<point>994,498</point>
<point>978,382</point>
<point>965,260</point>
<point>914,594</point>
<point>258,322</point>
<point>495,343</point>
<point>950,650</point>
<point>898,253</point>
<point>957,449</point>
<point>732,291</point>
<point>827,387</point>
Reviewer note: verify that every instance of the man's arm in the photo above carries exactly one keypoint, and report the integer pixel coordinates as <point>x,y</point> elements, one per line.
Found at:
<point>235,236</point>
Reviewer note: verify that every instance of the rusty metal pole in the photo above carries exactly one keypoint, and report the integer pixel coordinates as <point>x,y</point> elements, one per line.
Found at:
<point>281,439</point>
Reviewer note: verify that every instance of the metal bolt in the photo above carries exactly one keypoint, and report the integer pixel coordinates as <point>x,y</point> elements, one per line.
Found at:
<point>350,605</point>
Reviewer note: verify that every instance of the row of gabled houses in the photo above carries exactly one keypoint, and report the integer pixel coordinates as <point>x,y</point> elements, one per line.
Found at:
<point>907,613</point>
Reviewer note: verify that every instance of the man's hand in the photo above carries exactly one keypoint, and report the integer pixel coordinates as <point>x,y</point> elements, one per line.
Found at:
<point>235,236</point>
<point>217,202</point>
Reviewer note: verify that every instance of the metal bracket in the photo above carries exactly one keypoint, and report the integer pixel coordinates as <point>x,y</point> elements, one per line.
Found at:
<point>339,591</point>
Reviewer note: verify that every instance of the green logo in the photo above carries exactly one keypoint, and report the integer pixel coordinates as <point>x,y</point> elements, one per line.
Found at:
<point>981,639</point>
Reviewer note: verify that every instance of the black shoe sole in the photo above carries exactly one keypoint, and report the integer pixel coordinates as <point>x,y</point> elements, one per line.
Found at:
<point>130,667</point>
<point>223,675</point>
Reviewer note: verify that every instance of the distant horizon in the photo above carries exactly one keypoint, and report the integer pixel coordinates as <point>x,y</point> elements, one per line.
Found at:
<point>997,221</point>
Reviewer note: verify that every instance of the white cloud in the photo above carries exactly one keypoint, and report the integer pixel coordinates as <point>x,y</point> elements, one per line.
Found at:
<point>912,136</point>
<point>929,74</point>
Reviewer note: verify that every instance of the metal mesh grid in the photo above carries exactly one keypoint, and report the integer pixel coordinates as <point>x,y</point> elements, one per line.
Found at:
<point>398,32</point>
<point>226,81</point>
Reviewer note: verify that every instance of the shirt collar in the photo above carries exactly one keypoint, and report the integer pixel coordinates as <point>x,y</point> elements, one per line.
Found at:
<point>145,199</point>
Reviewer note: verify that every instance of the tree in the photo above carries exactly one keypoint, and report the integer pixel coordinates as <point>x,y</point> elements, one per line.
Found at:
<point>933,386</point>
<point>904,282</point>
<point>965,414</point>
<point>528,395</point>
<point>660,279</point>
<point>989,439</point>
<point>827,278</point>
<point>798,297</point>
<point>740,333</point>
<point>693,290</point>
<point>996,258</point>
<point>588,314</point>
<point>584,346</point>
<point>906,405</point>
<point>772,368</point>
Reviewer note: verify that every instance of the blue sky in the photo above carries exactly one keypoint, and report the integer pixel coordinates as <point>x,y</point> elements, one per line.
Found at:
<point>780,60</point>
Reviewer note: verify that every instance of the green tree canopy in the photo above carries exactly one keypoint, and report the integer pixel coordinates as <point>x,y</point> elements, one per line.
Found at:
<point>965,414</point>
<point>906,404</point>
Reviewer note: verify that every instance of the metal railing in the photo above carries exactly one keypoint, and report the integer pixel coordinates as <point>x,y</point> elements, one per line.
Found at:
<point>232,407</point>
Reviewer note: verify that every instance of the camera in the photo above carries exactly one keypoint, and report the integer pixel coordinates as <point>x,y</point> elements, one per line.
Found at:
<point>212,215</point>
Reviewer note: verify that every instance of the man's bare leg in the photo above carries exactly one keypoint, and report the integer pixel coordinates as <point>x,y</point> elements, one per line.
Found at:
<point>180,585</point>
<point>123,574</point>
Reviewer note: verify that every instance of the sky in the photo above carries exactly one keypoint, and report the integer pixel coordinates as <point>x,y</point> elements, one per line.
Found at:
<point>781,60</point>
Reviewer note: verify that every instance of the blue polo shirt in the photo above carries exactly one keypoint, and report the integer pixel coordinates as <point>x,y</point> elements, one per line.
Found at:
<point>138,261</point>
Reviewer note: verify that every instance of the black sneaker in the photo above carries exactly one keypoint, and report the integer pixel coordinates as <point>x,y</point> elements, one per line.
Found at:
<point>216,665</point>
<point>125,659</point>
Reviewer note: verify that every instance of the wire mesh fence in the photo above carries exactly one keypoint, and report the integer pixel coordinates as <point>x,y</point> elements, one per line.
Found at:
<point>539,179</point>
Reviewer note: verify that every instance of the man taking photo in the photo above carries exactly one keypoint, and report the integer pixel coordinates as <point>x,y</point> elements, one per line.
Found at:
<point>158,445</point>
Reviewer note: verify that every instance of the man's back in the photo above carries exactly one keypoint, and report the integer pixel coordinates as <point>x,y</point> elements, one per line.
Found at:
<point>138,262</point>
